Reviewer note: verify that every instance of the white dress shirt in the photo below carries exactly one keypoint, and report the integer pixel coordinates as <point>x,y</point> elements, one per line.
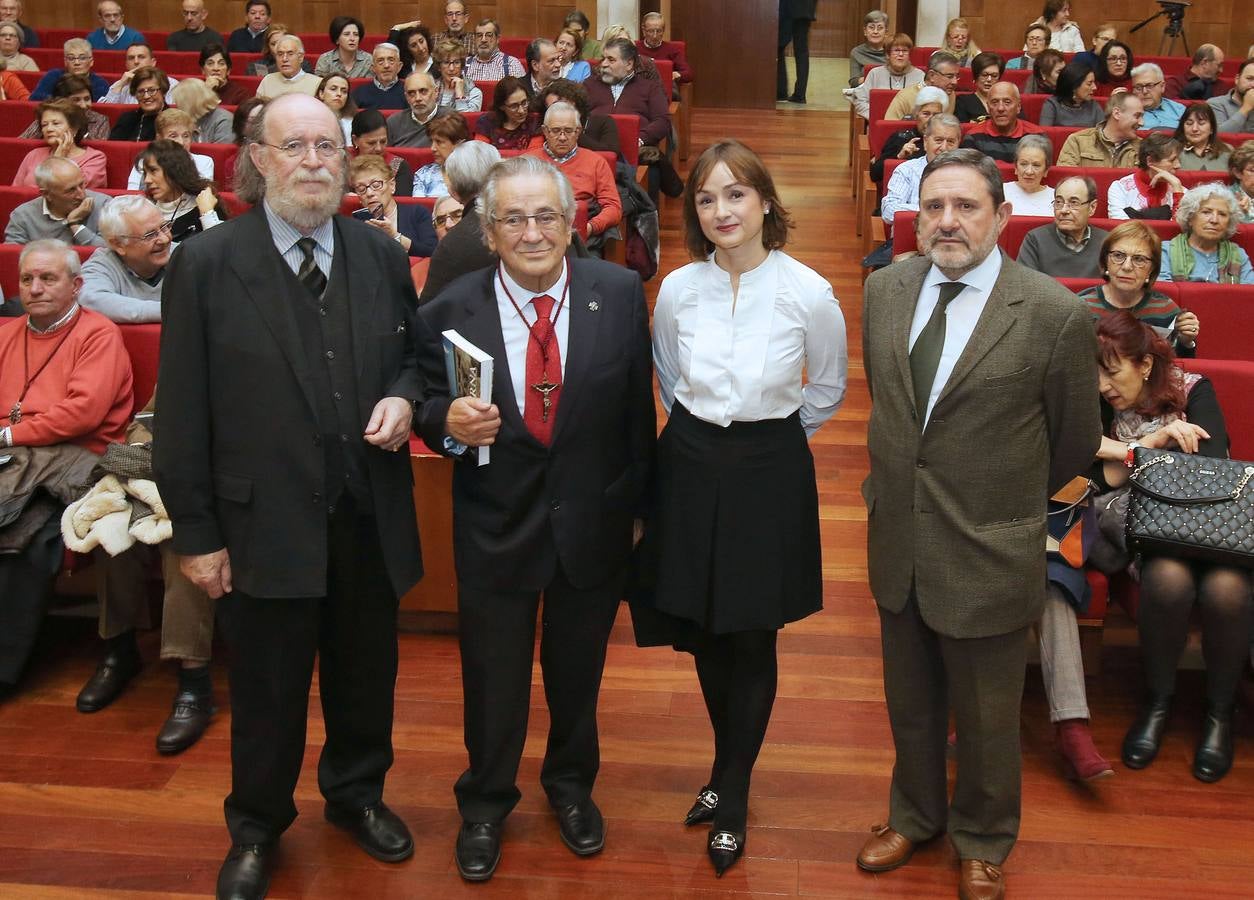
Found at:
<point>961,316</point>
<point>745,365</point>
<point>516,333</point>
<point>903,189</point>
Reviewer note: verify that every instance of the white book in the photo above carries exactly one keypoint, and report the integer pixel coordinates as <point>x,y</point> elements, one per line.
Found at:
<point>469,372</point>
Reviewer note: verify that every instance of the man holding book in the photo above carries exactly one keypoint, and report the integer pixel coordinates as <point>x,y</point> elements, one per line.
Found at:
<point>555,513</point>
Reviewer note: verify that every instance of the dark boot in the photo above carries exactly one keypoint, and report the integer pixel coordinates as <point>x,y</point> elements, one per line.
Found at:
<point>1141,743</point>
<point>1214,751</point>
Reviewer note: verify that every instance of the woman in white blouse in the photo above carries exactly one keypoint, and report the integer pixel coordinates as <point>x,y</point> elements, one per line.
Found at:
<point>1028,194</point>
<point>1064,35</point>
<point>734,530</point>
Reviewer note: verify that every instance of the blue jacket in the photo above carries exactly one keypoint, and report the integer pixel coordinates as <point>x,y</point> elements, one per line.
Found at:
<point>43,90</point>
<point>414,221</point>
<point>128,36</point>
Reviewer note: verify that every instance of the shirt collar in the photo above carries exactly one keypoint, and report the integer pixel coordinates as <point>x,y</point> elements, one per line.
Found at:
<point>434,111</point>
<point>1076,246</point>
<point>57,325</point>
<point>48,212</point>
<point>285,235</point>
<point>982,277</point>
<point>518,292</point>
<point>300,73</point>
<point>385,87</point>
<point>560,159</point>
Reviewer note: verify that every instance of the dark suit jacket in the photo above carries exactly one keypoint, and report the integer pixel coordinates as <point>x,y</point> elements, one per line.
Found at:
<point>414,221</point>
<point>642,96</point>
<point>238,458</point>
<point>959,510</point>
<point>461,251</point>
<point>573,501</point>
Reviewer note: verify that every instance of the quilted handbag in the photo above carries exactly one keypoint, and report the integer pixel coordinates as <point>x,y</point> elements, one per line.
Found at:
<point>1192,507</point>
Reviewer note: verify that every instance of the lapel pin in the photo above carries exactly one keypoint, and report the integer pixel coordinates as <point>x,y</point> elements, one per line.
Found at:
<point>593,306</point>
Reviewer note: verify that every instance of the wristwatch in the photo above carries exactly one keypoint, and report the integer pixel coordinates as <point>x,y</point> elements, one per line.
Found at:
<point>1129,458</point>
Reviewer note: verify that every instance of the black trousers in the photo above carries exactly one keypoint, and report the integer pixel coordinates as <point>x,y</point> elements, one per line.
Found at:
<point>497,632</point>
<point>796,32</point>
<point>25,583</point>
<point>273,642</point>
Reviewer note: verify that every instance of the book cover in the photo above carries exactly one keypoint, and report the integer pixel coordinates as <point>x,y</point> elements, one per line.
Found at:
<point>469,372</point>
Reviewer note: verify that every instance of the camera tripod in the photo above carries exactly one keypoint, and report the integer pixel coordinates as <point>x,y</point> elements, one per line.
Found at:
<point>1174,12</point>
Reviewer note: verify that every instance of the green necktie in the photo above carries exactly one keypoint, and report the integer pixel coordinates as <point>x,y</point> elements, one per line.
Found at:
<point>926,353</point>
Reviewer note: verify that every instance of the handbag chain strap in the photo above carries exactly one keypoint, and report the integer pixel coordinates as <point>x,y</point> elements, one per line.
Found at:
<point>1236,492</point>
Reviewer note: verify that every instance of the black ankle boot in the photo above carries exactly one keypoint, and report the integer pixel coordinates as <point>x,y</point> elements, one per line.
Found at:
<point>1141,743</point>
<point>703,808</point>
<point>1213,758</point>
<point>725,848</point>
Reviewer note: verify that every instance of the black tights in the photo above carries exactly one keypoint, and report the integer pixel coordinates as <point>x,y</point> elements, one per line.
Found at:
<point>1168,590</point>
<point>738,674</point>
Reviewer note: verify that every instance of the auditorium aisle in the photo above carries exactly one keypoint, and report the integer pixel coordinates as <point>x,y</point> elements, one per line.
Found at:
<point>88,809</point>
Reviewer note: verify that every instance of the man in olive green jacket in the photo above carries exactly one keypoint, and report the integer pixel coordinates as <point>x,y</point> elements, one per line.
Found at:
<point>1113,143</point>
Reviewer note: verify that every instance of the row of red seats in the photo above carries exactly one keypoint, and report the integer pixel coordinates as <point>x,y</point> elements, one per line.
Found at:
<point>1171,65</point>
<point>1019,78</point>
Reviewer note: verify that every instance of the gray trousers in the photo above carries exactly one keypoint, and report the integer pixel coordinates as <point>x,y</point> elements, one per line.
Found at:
<point>1062,668</point>
<point>122,591</point>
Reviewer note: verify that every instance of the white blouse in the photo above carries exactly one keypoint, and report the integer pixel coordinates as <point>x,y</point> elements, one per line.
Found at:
<point>746,366</point>
<point>1038,203</point>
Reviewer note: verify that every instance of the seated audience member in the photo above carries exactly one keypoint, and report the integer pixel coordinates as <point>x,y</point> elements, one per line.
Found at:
<point>1130,262</point>
<point>489,62</point>
<point>591,46</point>
<point>78,61</point>
<point>64,210</point>
<point>1113,143</point>
<point>942,72</point>
<point>1150,402</point>
<point>63,128</point>
<point>140,124</point>
<point>384,90</point>
<point>122,281</point>
<point>986,71</point>
<point>1235,109</point>
<point>415,45</point>
<point>11,11</point>
<point>251,36</point>
<point>999,134</point>
<point>463,250</point>
<point>958,41</point>
<point>446,214</point>
<point>113,33</point>
<point>455,90</point>
<point>186,200</point>
<point>1104,34</point>
<point>573,66</point>
<point>267,64</point>
<point>211,124</point>
<point>409,127</point>
<point>177,126</point>
<point>544,63</point>
<point>588,172</point>
<point>371,179</point>
<point>1204,250</point>
<point>1153,190</point>
<point>138,56</point>
<point>1072,105</point>
<point>1035,40</point>
<point>1070,247</point>
<point>77,90</point>
<point>239,124</point>
<point>1201,80</point>
<point>1028,194</point>
<point>12,87</point>
<point>600,132</point>
<point>942,132</point>
<point>510,124</point>
<point>1241,167</point>
<point>194,34</point>
<point>653,45</point>
<point>1114,66</point>
<point>11,49</point>
<point>446,132</point>
<point>1064,35</point>
<point>1045,72</point>
<point>871,52</point>
<point>335,93</point>
<point>1160,112</point>
<point>59,421</point>
<point>345,56</point>
<point>896,74</point>
<point>291,76</point>
<point>370,137</point>
<point>1198,135</point>
<point>455,22</point>
<point>215,67</point>
<point>908,143</point>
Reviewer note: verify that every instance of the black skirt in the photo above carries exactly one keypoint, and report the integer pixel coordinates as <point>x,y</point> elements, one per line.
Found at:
<point>732,541</point>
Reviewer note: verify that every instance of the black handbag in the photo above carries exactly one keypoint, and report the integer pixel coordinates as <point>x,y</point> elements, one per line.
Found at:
<point>1192,507</point>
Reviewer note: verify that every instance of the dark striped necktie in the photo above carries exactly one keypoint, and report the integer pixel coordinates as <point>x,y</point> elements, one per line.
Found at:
<point>310,275</point>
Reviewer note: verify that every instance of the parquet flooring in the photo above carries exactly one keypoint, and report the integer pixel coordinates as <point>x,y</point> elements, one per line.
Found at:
<point>88,809</point>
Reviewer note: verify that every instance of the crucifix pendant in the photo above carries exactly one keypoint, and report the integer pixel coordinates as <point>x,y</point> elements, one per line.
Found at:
<point>545,388</point>
<point>15,414</point>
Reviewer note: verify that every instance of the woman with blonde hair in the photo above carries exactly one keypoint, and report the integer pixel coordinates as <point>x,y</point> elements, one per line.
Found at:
<point>574,68</point>
<point>204,105</point>
<point>958,41</point>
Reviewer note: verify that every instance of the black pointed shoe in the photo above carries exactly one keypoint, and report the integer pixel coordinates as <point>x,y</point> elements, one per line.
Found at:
<point>1213,758</point>
<point>725,848</point>
<point>118,666</point>
<point>245,875</point>
<point>190,717</point>
<point>478,850</point>
<point>703,808</point>
<point>376,829</point>
<point>1141,743</point>
<point>582,828</point>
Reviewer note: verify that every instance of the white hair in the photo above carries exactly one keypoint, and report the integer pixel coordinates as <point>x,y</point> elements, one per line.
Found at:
<point>76,45</point>
<point>1035,142</point>
<point>73,265</point>
<point>930,94</point>
<point>52,167</point>
<point>1147,68</point>
<point>113,217</point>
<point>467,167</point>
<point>522,166</point>
<point>384,45</point>
<point>560,106</point>
<point>288,37</point>
<point>875,15</point>
<point>1194,198</point>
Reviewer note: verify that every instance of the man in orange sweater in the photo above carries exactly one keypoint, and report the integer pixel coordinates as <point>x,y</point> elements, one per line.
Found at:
<point>588,172</point>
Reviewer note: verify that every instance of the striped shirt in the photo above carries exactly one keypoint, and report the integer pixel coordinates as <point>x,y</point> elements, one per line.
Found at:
<point>1156,310</point>
<point>494,69</point>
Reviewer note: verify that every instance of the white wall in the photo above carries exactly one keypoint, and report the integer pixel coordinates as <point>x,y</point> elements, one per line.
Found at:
<point>619,12</point>
<point>933,16</point>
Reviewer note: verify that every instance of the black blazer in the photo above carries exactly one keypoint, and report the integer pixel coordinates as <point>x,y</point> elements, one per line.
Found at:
<point>574,500</point>
<point>237,455</point>
<point>414,221</point>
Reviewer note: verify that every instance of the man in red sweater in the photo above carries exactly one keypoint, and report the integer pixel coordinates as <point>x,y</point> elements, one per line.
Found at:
<point>588,172</point>
<point>654,46</point>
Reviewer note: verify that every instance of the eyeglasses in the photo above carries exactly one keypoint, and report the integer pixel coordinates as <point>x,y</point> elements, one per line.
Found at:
<point>299,149</point>
<point>560,132</point>
<point>149,236</point>
<point>520,105</point>
<point>485,34</point>
<point>545,221</point>
<point>1146,87</point>
<point>448,218</point>
<point>147,91</point>
<point>376,185</point>
<point>1118,257</point>
<point>77,57</point>
<point>988,76</point>
<point>948,76</point>
<point>1119,58</point>
<point>1069,203</point>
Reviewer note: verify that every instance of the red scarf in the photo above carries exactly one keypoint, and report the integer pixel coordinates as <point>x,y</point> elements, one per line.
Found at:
<point>1154,196</point>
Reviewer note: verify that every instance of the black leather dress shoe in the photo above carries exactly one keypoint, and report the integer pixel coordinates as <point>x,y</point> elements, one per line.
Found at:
<point>478,850</point>
<point>245,875</point>
<point>112,676</point>
<point>582,828</point>
<point>1214,751</point>
<point>703,808</point>
<point>191,716</point>
<point>376,829</point>
<point>1141,743</point>
<point>724,849</point>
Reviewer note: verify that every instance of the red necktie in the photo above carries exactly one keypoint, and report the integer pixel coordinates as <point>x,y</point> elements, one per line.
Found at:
<point>544,373</point>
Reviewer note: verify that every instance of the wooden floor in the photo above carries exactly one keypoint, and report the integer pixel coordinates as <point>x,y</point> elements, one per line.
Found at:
<point>88,809</point>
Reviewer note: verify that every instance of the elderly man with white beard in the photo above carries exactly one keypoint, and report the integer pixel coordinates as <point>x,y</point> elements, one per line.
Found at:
<point>285,390</point>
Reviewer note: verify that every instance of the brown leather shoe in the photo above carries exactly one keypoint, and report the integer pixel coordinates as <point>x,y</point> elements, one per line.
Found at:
<point>885,850</point>
<point>981,881</point>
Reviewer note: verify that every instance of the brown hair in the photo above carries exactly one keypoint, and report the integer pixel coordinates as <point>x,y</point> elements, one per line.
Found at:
<point>450,126</point>
<point>1121,335</point>
<point>74,117</point>
<point>574,36</point>
<point>747,167</point>
<point>368,162</point>
<point>1240,158</point>
<point>901,39</point>
<point>1137,231</point>
<point>150,73</point>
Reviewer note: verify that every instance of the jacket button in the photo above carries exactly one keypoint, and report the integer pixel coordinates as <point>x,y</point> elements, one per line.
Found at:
<point>343,439</point>
<point>317,498</point>
<point>338,396</point>
<point>330,354</point>
<point>556,504</point>
<point>317,440</point>
<point>920,463</point>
